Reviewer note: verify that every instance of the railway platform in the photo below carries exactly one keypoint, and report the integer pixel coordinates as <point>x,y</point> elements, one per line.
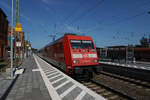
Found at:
<point>29,85</point>
<point>138,70</point>
<point>136,65</point>
<point>42,81</point>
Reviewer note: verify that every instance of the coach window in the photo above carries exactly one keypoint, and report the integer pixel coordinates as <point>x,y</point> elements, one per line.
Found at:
<point>61,45</point>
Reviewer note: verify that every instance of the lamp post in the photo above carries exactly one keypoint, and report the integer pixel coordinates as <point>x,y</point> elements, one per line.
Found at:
<point>149,36</point>
<point>11,52</point>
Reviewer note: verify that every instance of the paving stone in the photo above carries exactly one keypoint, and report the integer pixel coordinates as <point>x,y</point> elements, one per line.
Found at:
<point>56,78</point>
<point>64,88</point>
<point>4,84</point>
<point>59,82</point>
<point>29,85</point>
<point>88,97</point>
<point>73,94</point>
<point>50,73</point>
<point>53,75</point>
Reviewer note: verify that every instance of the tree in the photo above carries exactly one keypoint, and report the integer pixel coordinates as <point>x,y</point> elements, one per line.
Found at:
<point>144,42</point>
<point>34,50</point>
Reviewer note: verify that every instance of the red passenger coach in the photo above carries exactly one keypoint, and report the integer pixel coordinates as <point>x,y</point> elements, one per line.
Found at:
<point>75,54</point>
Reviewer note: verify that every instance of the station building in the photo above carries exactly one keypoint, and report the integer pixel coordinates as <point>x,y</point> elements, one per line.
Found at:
<point>3,35</point>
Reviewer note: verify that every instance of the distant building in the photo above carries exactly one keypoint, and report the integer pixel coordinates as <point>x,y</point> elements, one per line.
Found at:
<point>19,42</point>
<point>3,35</point>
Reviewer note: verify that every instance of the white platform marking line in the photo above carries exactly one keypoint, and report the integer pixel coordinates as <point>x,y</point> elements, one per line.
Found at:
<point>118,64</point>
<point>59,86</point>
<point>123,64</point>
<point>49,71</point>
<point>45,70</point>
<point>49,74</point>
<point>57,80</point>
<point>148,68</point>
<point>67,91</point>
<point>50,88</point>
<point>54,76</point>
<point>142,67</point>
<point>92,93</point>
<point>34,70</point>
<point>135,66</point>
<point>81,95</point>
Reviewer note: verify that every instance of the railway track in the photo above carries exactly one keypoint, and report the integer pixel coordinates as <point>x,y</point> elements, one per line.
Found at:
<point>141,83</point>
<point>107,92</point>
<point>115,87</point>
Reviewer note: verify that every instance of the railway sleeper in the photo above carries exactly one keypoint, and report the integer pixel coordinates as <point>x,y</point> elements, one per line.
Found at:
<point>114,97</point>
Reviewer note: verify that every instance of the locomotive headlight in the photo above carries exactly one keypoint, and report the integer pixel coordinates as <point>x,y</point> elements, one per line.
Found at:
<point>75,61</point>
<point>95,60</point>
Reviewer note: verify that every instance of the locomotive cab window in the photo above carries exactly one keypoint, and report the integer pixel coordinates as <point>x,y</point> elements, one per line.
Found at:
<point>75,44</point>
<point>87,44</point>
<point>81,44</point>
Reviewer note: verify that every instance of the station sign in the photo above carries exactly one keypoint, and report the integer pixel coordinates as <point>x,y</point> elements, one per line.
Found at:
<point>18,44</point>
<point>18,27</point>
<point>29,48</point>
<point>28,45</point>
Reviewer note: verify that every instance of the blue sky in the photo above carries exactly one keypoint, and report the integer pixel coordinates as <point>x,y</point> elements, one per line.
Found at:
<point>108,22</point>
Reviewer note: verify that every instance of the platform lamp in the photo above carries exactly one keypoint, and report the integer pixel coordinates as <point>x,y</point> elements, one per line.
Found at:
<point>11,53</point>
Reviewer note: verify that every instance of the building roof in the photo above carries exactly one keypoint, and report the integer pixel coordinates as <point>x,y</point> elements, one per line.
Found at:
<point>121,46</point>
<point>1,11</point>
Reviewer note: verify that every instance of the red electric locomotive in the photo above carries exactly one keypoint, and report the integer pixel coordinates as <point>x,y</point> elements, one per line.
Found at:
<point>75,54</point>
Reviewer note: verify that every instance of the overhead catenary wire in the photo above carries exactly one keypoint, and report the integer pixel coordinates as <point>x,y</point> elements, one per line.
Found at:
<point>125,19</point>
<point>74,13</point>
<point>121,20</point>
<point>87,11</point>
